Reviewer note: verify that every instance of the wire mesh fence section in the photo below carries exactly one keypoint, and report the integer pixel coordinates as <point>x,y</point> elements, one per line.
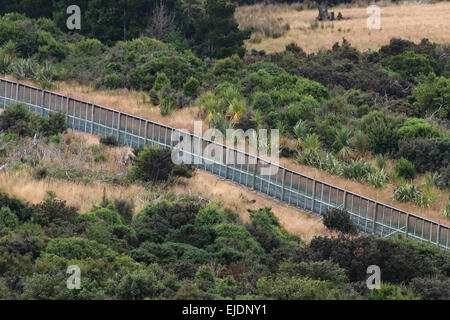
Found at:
<point>286,185</point>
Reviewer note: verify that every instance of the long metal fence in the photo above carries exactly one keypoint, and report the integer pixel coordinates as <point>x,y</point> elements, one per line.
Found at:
<point>292,187</point>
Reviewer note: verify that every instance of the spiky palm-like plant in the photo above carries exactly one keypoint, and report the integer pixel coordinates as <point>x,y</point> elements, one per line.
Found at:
<point>360,142</point>
<point>342,144</point>
<point>311,142</point>
<point>300,130</point>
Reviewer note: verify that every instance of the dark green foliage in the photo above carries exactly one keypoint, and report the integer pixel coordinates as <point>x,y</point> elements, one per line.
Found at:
<point>267,230</point>
<point>270,67</point>
<point>339,220</point>
<point>125,208</point>
<point>190,87</point>
<point>152,165</point>
<point>381,129</point>
<point>263,102</point>
<point>398,262</point>
<point>405,169</point>
<point>110,141</point>
<point>294,48</point>
<point>425,155</point>
<point>216,31</point>
<point>17,119</point>
<point>408,64</point>
<point>414,128</point>
<point>7,218</point>
<point>21,209</point>
<point>321,270</point>
<point>141,284</point>
<point>182,170</point>
<point>432,97</point>
<point>53,211</point>
<point>431,288</point>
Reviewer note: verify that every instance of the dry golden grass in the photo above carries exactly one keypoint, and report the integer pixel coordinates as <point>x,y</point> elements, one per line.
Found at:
<point>411,21</point>
<point>128,101</point>
<point>239,199</point>
<point>24,187</point>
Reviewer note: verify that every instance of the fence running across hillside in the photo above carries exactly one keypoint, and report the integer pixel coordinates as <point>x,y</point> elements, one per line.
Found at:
<point>292,187</point>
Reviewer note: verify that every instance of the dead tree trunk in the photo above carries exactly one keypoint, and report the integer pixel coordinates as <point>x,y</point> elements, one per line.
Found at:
<point>323,10</point>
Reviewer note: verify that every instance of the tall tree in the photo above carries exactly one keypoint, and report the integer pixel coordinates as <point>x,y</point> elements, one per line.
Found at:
<point>217,33</point>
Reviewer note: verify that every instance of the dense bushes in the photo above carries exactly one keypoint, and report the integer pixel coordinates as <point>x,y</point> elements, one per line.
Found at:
<point>404,169</point>
<point>17,119</point>
<point>381,129</point>
<point>152,164</point>
<point>186,249</point>
<point>339,220</point>
<point>425,155</point>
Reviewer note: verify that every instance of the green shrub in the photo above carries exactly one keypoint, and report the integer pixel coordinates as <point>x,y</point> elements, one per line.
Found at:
<point>152,164</point>
<point>415,128</point>
<point>190,87</point>
<point>17,119</point>
<point>110,141</point>
<point>7,218</point>
<point>168,105</point>
<point>405,169</point>
<point>114,81</point>
<point>270,67</point>
<point>391,292</point>
<point>408,64</point>
<point>430,288</point>
<point>160,81</point>
<point>339,220</point>
<point>407,192</point>
<point>381,130</point>
<point>433,97</point>
<point>312,88</point>
<point>262,101</point>
<point>294,48</point>
<point>55,124</point>
<point>377,179</point>
<point>182,170</point>
<point>101,158</point>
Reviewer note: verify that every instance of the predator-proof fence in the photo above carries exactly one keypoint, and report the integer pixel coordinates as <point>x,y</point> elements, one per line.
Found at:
<point>289,186</point>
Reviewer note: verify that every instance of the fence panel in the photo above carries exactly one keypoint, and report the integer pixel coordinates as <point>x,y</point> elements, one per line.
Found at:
<point>292,187</point>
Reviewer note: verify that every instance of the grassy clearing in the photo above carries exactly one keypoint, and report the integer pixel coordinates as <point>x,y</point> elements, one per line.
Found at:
<point>411,21</point>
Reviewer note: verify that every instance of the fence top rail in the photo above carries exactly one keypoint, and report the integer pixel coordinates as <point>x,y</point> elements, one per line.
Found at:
<point>442,226</point>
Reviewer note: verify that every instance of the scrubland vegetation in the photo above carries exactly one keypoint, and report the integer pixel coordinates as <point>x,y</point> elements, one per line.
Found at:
<point>379,119</point>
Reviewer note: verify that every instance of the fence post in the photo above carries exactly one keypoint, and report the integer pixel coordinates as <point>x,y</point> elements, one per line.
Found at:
<point>283,178</point>
<point>226,162</point>
<point>17,92</point>
<point>313,195</point>
<point>67,110</point>
<point>254,174</point>
<point>407,225</point>
<point>374,217</point>
<point>438,235</point>
<point>42,102</point>
<point>92,118</point>
<point>344,205</point>
<point>118,126</point>
<point>146,132</point>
